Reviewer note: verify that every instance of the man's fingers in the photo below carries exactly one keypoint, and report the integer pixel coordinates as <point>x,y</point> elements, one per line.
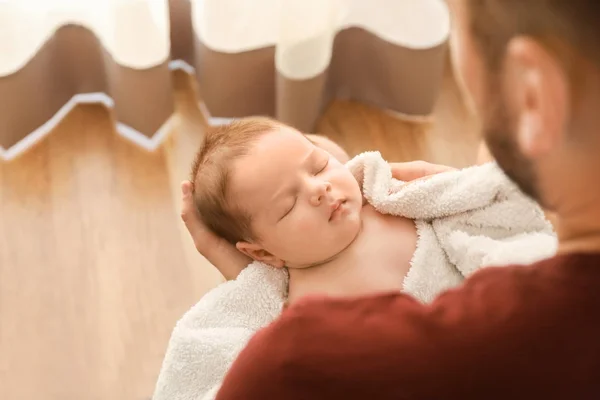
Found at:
<point>186,188</point>
<point>190,217</point>
<point>432,169</point>
<point>187,207</point>
<point>412,170</point>
<point>223,255</point>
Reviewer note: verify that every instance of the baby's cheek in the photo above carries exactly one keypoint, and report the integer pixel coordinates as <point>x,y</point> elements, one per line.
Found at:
<point>346,184</point>
<point>302,234</point>
<point>308,224</point>
<point>306,229</point>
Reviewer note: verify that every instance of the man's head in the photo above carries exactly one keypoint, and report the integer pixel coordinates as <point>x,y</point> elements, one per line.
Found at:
<point>532,70</point>
<point>267,189</point>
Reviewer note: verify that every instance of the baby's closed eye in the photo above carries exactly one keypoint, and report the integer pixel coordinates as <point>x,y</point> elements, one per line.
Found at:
<point>287,210</point>
<point>321,165</point>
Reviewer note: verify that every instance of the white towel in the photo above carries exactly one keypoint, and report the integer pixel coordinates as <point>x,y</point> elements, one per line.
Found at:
<point>465,220</point>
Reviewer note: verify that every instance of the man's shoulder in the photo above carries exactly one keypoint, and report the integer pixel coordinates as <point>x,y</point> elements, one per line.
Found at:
<point>518,291</point>
<point>505,327</point>
<point>537,277</point>
<point>496,278</point>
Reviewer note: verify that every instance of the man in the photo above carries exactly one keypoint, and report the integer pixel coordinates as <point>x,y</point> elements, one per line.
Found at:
<point>532,69</point>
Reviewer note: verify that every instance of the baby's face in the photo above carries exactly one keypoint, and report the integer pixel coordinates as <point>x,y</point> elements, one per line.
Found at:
<point>304,204</point>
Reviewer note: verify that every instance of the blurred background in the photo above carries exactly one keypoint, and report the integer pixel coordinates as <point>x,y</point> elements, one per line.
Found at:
<point>102,107</point>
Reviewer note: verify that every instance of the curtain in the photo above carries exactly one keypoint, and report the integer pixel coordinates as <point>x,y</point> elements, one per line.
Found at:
<point>283,58</point>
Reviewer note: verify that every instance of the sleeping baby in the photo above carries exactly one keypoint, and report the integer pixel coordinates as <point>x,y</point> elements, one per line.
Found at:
<point>340,230</point>
<point>282,200</point>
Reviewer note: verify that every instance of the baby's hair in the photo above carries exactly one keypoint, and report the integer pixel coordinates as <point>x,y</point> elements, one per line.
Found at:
<point>210,175</point>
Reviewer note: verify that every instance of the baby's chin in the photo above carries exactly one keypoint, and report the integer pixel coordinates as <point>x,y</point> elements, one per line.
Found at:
<point>340,248</point>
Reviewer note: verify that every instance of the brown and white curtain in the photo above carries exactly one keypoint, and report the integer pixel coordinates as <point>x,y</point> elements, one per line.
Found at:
<point>284,58</point>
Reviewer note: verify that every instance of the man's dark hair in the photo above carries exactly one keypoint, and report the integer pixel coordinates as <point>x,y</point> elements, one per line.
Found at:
<point>564,27</point>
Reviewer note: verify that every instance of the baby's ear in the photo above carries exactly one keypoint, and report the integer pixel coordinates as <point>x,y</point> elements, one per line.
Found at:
<point>256,252</point>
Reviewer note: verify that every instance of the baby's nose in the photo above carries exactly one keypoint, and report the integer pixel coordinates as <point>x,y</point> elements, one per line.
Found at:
<point>320,193</point>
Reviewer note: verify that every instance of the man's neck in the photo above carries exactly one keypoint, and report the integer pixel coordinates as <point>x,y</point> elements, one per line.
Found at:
<point>576,196</point>
<point>579,232</point>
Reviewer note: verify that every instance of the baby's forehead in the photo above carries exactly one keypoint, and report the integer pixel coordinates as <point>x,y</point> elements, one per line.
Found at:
<point>251,181</point>
<point>271,160</point>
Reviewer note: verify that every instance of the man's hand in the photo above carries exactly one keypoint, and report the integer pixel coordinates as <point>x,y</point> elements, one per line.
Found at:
<point>409,171</point>
<point>220,253</point>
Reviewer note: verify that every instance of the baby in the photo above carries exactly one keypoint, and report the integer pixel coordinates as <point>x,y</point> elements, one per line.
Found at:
<point>286,202</point>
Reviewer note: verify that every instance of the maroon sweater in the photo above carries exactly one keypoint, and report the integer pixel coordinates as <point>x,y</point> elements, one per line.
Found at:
<point>508,333</point>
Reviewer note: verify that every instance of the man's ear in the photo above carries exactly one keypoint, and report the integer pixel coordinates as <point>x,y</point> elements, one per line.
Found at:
<point>256,252</point>
<point>541,94</point>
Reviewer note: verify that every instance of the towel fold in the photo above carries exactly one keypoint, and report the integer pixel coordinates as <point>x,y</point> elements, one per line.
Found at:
<point>465,220</point>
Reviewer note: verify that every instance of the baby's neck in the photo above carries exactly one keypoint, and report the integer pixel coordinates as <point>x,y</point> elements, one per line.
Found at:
<point>331,265</point>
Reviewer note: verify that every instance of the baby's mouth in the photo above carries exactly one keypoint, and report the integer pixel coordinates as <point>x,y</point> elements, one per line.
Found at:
<point>336,208</point>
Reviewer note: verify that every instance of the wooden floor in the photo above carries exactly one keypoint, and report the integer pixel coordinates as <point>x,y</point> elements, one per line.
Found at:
<point>95,267</point>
